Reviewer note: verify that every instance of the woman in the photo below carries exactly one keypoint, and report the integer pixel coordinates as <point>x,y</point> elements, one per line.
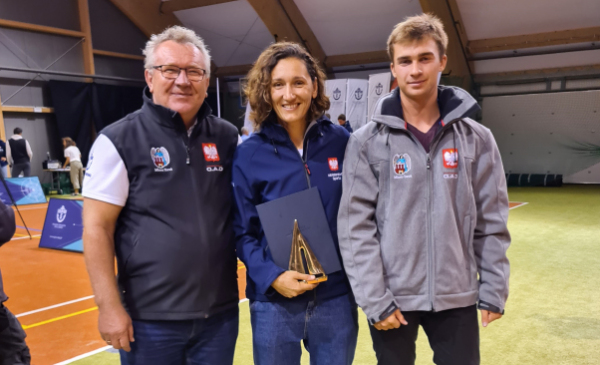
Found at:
<point>295,147</point>
<point>73,156</point>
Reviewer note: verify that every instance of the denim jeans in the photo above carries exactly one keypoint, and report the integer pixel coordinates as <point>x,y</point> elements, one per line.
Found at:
<point>208,341</point>
<point>328,328</point>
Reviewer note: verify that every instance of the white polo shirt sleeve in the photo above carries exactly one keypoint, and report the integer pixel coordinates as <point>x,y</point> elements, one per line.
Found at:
<point>106,175</point>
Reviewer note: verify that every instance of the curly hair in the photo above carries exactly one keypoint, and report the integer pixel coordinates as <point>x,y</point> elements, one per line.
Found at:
<point>258,87</point>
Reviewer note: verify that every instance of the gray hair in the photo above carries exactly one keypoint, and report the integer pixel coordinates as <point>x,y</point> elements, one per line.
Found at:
<point>177,34</point>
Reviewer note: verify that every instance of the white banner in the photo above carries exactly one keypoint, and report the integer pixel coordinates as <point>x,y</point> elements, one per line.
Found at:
<point>336,91</point>
<point>356,103</point>
<point>379,85</point>
<point>247,121</point>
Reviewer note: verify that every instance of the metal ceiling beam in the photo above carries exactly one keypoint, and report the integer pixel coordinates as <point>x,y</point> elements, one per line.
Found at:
<point>562,37</point>
<point>176,5</point>
<point>557,72</point>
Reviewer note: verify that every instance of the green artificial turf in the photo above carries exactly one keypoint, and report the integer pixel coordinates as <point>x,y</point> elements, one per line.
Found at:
<point>553,312</point>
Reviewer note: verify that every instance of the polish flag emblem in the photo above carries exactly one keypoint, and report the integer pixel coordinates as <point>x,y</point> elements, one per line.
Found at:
<point>450,158</point>
<point>210,152</point>
<point>333,164</point>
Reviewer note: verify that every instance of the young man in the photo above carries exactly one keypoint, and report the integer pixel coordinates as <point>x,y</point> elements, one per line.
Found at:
<point>422,222</point>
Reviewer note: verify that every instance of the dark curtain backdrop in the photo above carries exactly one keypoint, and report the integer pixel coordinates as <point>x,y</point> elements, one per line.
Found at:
<point>77,105</point>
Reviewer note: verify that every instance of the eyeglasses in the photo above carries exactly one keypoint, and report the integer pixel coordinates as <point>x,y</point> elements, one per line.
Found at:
<point>172,72</point>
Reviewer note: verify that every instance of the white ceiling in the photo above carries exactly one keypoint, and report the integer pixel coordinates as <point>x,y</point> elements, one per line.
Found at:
<point>233,31</point>
<point>236,35</point>
<point>503,18</point>
<point>344,26</point>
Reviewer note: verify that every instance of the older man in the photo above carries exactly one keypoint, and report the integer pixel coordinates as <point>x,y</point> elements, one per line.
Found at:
<point>158,196</point>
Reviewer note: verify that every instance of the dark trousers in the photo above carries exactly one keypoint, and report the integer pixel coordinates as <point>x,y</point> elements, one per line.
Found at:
<point>18,167</point>
<point>453,335</point>
<point>13,350</point>
<point>209,341</point>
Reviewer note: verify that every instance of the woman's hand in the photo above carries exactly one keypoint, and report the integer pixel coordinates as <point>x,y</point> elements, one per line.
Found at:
<point>288,284</point>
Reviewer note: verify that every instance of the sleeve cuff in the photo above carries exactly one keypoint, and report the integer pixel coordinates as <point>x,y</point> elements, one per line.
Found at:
<point>386,313</point>
<point>266,285</point>
<point>489,307</point>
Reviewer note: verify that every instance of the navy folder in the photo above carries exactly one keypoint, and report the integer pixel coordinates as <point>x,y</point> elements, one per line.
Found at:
<point>277,219</point>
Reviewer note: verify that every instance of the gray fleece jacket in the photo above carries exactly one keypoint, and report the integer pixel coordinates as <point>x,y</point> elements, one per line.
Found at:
<point>424,231</point>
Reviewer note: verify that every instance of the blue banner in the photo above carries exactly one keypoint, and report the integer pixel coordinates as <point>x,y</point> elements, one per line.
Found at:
<point>25,190</point>
<point>63,227</point>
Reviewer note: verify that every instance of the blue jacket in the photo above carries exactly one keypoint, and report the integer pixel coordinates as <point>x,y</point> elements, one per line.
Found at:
<point>268,166</point>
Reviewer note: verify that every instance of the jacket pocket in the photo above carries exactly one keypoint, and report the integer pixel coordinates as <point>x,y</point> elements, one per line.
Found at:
<point>471,262</point>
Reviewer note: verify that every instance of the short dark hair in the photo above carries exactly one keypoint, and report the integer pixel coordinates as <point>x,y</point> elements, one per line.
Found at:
<point>18,131</point>
<point>342,117</point>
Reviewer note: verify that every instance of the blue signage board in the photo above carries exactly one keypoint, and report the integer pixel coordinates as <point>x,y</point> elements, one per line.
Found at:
<point>63,227</point>
<point>25,190</point>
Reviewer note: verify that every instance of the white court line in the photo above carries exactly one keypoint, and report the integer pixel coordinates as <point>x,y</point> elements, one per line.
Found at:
<point>517,206</point>
<point>26,237</point>
<point>54,306</point>
<point>84,355</point>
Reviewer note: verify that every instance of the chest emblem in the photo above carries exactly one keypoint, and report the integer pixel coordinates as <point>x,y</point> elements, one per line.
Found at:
<point>210,152</point>
<point>160,157</point>
<point>450,156</point>
<point>401,165</point>
<point>333,164</point>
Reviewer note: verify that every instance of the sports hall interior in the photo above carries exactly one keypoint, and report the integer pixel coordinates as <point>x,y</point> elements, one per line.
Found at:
<point>533,66</point>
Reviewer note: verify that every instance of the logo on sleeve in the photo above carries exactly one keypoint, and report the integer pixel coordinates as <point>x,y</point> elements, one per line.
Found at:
<point>401,166</point>
<point>160,158</point>
<point>450,156</point>
<point>333,164</point>
<point>210,152</point>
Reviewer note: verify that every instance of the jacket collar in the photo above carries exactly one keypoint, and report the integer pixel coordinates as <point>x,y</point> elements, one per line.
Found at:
<point>170,118</point>
<point>454,103</point>
<point>271,129</point>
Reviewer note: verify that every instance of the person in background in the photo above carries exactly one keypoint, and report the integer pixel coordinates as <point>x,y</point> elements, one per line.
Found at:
<point>73,157</point>
<point>293,149</point>
<point>245,134</point>
<point>3,159</point>
<point>344,123</point>
<point>13,349</point>
<point>18,154</point>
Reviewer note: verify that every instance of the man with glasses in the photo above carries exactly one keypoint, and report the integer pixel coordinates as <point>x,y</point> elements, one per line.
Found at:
<point>158,197</point>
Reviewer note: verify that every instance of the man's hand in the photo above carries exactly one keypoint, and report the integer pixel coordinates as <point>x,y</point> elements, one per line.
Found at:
<point>288,284</point>
<point>488,317</point>
<point>2,159</point>
<point>395,320</point>
<point>115,327</point>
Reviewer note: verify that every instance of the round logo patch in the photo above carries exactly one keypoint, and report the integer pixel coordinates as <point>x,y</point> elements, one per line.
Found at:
<point>401,164</point>
<point>160,157</point>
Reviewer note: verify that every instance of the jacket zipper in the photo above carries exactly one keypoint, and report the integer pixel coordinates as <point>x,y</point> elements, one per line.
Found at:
<point>431,271</point>
<point>188,162</point>
<point>430,231</point>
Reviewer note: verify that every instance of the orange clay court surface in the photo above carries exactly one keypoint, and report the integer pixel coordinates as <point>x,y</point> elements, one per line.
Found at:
<point>54,286</point>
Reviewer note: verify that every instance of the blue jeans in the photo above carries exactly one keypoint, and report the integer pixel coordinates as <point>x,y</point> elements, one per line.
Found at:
<point>328,328</point>
<point>208,341</point>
